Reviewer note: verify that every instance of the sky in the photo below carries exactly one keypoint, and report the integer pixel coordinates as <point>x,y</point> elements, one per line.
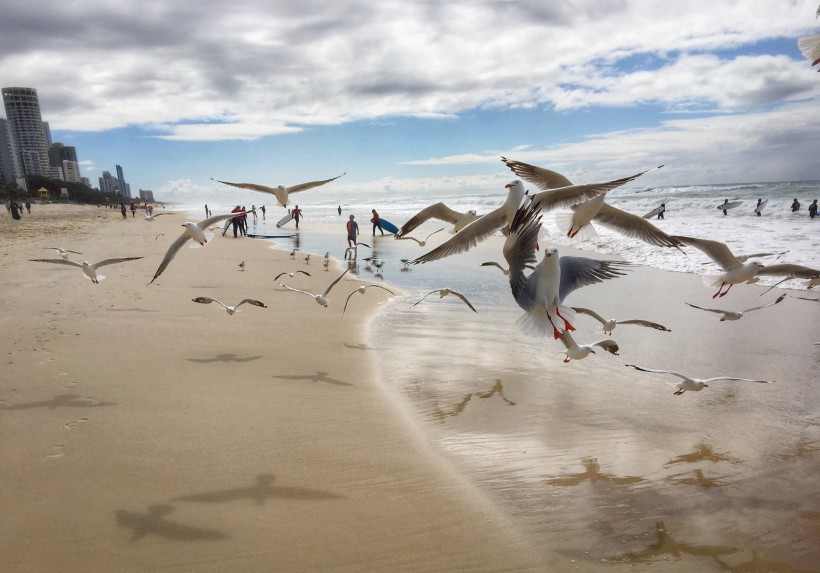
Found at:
<point>422,96</point>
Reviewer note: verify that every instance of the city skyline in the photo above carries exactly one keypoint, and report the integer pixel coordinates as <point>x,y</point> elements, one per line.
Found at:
<point>415,96</point>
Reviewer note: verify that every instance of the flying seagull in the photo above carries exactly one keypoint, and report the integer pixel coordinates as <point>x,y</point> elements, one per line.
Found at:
<point>290,274</point>
<point>62,252</point>
<point>89,269</point>
<point>444,292</point>
<point>281,192</point>
<point>195,231</point>
<point>693,384</point>
<point>441,212</point>
<point>610,324</point>
<point>422,242</point>
<point>319,298</point>
<point>153,217</point>
<point>361,290</point>
<point>577,351</point>
<point>736,315</point>
<point>230,309</point>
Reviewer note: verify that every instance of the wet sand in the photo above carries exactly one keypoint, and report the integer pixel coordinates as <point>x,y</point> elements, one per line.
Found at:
<point>140,431</point>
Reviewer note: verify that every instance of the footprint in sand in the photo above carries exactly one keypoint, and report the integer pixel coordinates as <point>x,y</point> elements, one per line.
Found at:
<point>70,385</point>
<point>70,425</point>
<point>57,452</point>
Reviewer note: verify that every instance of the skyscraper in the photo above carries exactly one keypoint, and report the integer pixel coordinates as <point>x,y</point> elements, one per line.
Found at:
<point>26,131</point>
<point>8,169</point>
<point>125,191</point>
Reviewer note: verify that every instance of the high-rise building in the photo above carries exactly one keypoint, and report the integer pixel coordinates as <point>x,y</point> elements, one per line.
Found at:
<point>8,171</point>
<point>26,131</point>
<point>147,195</point>
<point>125,190</point>
<point>108,184</point>
<point>71,171</point>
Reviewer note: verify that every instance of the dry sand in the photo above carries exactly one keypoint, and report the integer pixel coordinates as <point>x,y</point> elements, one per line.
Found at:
<point>140,431</point>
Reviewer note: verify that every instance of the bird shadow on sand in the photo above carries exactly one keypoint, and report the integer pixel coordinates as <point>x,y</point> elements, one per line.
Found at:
<point>440,413</point>
<point>320,376</point>
<point>362,347</point>
<point>703,452</point>
<point>153,522</point>
<point>592,473</point>
<point>134,309</point>
<point>228,357</point>
<point>59,401</point>
<point>260,492</point>
<point>665,545</point>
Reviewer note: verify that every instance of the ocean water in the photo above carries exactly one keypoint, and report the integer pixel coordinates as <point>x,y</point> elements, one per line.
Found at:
<point>600,465</point>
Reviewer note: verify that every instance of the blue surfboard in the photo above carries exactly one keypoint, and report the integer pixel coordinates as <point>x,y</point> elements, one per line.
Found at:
<point>388,226</point>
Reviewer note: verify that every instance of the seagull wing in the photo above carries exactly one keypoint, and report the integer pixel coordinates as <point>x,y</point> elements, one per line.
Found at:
<point>58,262</point>
<point>589,312</point>
<point>311,184</point>
<point>780,298</point>
<point>519,252</point>
<point>348,300</point>
<point>634,226</point>
<point>581,271</point>
<point>425,296</point>
<point>539,176</point>
<point>715,250</point>
<point>433,233</point>
<point>381,287</point>
<point>408,239</point>
<point>331,285</point>
<point>204,224</point>
<point>276,278</point>
<point>310,294</point>
<point>789,270</point>
<point>251,301</point>
<point>720,378</point>
<point>463,298</point>
<point>170,254</point>
<point>810,47</point>
<point>717,310</point>
<point>252,186</point>
<point>106,262</point>
<point>646,323</point>
<point>672,372</point>
<point>208,300</point>
<point>62,250</point>
<point>467,237</point>
<point>438,211</point>
<point>609,345</point>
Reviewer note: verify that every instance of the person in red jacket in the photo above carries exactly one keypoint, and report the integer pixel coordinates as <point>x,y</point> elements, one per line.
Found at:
<point>377,222</point>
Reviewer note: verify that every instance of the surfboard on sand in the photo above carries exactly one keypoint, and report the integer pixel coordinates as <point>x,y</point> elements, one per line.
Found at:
<point>254,236</point>
<point>388,226</point>
<point>729,205</point>
<point>759,208</point>
<point>654,212</point>
<point>284,220</point>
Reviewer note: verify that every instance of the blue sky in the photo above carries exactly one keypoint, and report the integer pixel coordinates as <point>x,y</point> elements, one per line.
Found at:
<point>420,96</point>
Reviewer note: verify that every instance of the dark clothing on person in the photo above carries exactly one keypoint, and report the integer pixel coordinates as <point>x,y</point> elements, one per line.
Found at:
<point>297,213</point>
<point>352,232</point>
<point>123,211</point>
<point>28,208</point>
<point>795,206</point>
<point>236,221</point>
<point>263,212</point>
<point>377,223</point>
<point>15,211</point>
<point>813,209</point>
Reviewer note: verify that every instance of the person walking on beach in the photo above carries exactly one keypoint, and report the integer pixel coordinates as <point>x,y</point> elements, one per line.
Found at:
<point>340,210</point>
<point>255,217</point>
<point>16,211</point>
<point>207,213</point>
<point>263,212</point>
<point>297,212</point>
<point>795,205</point>
<point>813,209</point>
<point>133,210</point>
<point>352,232</point>
<point>236,221</point>
<point>28,207</point>
<point>122,210</point>
<point>377,222</point>
<point>243,222</point>
<point>660,213</point>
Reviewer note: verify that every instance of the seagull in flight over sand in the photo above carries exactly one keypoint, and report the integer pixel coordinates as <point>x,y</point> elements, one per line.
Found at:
<point>540,295</point>
<point>196,233</point>
<point>319,298</point>
<point>441,212</point>
<point>153,217</point>
<point>560,192</point>
<point>290,274</point>
<point>610,324</point>
<point>89,269</point>
<point>422,242</point>
<point>577,351</point>
<point>361,290</point>
<point>62,252</point>
<point>502,269</point>
<point>736,272</point>
<point>694,384</point>
<point>811,283</point>
<point>442,292</point>
<point>737,315</point>
<point>230,309</point>
<point>281,192</point>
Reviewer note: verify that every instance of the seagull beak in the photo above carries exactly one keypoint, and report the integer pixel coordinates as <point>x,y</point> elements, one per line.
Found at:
<point>508,185</point>
<point>593,352</point>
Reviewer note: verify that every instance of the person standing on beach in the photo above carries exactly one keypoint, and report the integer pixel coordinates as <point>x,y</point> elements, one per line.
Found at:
<point>795,205</point>
<point>207,213</point>
<point>255,217</point>
<point>663,209</point>
<point>236,221</point>
<point>243,222</point>
<point>377,222</point>
<point>263,212</point>
<point>340,210</point>
<point>122,210</point>
<point>813,209</point>
<point>297,212</point>
<point>28,207</point>
<point>352,232</point>
<point>15,211</point>
<point>133,210</point>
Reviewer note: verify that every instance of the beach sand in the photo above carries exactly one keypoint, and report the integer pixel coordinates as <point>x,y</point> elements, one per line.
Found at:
<point>140,431</point>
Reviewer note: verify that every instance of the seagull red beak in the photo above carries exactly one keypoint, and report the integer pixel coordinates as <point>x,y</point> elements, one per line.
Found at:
<point>508,185</point>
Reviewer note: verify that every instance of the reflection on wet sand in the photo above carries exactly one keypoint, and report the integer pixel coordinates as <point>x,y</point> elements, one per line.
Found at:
<point>666,545</point>
<point>759,565</point>
<point>700,480</point>
<point>153,521</point>
<point>60,401</point>
<point>802,448</point>
<point>227,357</point>
<point>592,474</point>
<point>497,390</point>
<point>703,453</point>
<point>260,492</point>
<point>320,376</point>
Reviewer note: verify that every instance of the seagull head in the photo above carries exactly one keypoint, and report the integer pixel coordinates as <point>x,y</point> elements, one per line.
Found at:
<point>551,252</point>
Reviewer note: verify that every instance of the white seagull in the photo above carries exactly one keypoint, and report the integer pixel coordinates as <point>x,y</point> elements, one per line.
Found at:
<point>610,324</point>
<point>560,192</point>
<point>694,384</point>
<point>541,294</point>
<point>281,192</point>
<point>290,274</point>
<point>361,290</point>
<point>736,315</point>
<point>231,310</point>
<point>810,47</point>
<point>441,212</point>
<point>422,242</point>
<point>577,351</point>
<point>442,292</point>
<point>62,252</point>
<point>153,217</point>
<point>89,269</point>
<point>319,298</point>
<point>736,272</point>
<point>194,232</point>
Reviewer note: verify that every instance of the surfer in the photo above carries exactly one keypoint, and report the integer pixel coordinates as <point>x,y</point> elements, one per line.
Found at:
<point>725,202</point>
<point>297,212</point>
<point>662,209</point>
<point>813,209</point>
<point>758,209</point>
<point>795,205</point>
<point>377,223</point>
